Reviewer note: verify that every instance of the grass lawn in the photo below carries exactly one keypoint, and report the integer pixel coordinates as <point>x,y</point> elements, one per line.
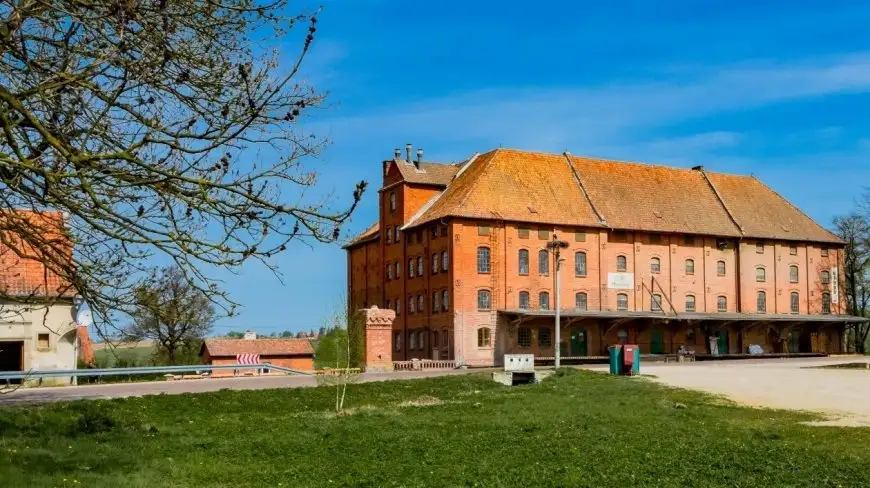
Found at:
<point>137,355</point>
<point>578,429</point>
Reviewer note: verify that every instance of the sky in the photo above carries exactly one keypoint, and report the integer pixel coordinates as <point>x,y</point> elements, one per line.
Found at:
<point>777,89</point>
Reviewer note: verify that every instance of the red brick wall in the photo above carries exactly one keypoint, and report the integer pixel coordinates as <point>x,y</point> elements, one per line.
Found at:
<point>299,363</point>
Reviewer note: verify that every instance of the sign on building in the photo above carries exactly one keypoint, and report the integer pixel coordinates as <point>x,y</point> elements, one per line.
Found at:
<point>620,281</point>
<point>835,285</point>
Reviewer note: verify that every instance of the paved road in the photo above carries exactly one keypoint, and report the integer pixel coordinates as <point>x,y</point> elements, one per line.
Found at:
<point>120,390</point>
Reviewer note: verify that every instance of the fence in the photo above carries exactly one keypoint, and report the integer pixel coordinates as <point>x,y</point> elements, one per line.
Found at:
<point>196,368</point>
<point>423,364</point>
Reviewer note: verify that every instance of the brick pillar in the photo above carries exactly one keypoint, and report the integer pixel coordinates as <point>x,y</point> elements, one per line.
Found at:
<point>86,349</point>
<point>378,332</point>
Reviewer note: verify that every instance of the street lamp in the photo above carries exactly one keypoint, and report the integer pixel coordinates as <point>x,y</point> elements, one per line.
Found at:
<point>555,246</point>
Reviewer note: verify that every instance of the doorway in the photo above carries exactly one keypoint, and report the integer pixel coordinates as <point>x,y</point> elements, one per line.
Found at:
<point>579,345</point>
<point>722,341</point>
<point>656,341</point>
<point>12,357</point>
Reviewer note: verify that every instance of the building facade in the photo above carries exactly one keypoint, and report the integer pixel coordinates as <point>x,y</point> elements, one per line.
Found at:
<point>664,257</point>
<point>295,354</point>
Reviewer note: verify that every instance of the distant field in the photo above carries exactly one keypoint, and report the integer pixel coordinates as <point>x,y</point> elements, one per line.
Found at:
<point>579,429</point>
<point>139,354</point>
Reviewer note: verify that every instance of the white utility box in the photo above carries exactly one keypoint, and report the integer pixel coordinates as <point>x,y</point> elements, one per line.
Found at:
<point>519,363</point>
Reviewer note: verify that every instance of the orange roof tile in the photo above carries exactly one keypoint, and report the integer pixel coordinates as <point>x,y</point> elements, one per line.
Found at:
<point>370,234</point>
<point>428,174</point>
<point>22,270</point>
<point>263,347</point>
<point>763,213</point>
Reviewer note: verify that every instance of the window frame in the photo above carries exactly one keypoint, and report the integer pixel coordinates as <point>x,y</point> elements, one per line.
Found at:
<point>397,336</point>
<point>761,301</point>
<point>542,336</point>
<point>759,248</point>
<point>523,232</point>
<point>544,299</point>
<point>445,261</point>
<point>43,344</point>
<point>826,303</point>
<point>436,302</point>
<point>484,338</point>
<point>580,268</point>
<point>655,302</point>
<point>484,229</point>
<point>721,268</point>
<point>794,275</point>
<point>825,277</point>
<point>411,267</point>
<point>435,259</point>
<point>527,332</point>
<point>484,260</point>
<point>389,271</point>
<point>484,292</point>
<point>655,265</point>
<point>585,301</point>
<point>420,267</point>
<point>621,263</point>
<point>794,299</point>
<point>524,294</point>
<point>392,201</point>
<point>412,305</point>
<point>694,302</point>
<point>690,266</point>
<point>445,300</point>
<point>621,298</point>
<point>389,235</point>
<point>760,274</point>
<point>421,303</point>
<point>721,304</point>
<point>824,251</point>
<point>520,270</point>
<point>793,249</point>
<point>543,262</point>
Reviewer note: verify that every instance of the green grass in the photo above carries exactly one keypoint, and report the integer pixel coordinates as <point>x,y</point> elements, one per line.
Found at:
<point>130,355</point>
<point>578,429</point>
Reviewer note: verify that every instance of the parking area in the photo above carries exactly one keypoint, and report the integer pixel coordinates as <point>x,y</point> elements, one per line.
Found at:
<point>795,384</point>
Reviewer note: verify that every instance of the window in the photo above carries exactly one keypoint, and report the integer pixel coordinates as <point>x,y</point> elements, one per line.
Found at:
<point>580,236</point>
<point>444,261</point>
<point>389,272</point>
<point>721,304</point>
<point>435,338</point>
<point>690,266</point>
<point>397,338</point>
<point>387,305</point>
<point>483,299</point>
<point>524,300</point>
<point>760,274</point>
<point>655,239</point>
<point>445,301</point>
<point>795,302</point>
<point>483,337</point>
<point>656,303</point>
<point>398,269</point>
<point>392,201</point>
<point>444,337</point>
<point>524,262</point>
<point>690,303</point>
<point>419,265</point>
<point>411,268</point>
<point>792,249</point>
<point>389,235</point>
<point>655,265</point>
<point>412,340</point>
<point>688,240</point>
<point>826,302</point>
<point>397,239</point>
<point>544,300</point>
<point>42,342</point>
<point>793,274</point>
<point>543,234</point>
<point>759,248</point>
<point>523,232</point>
<point>398,306</point>
<point>435,263</point>
<point>434,231</point>
<point>543,262</point>
<point>620,264</point>
<point>483,260</point>
<point>580,301</point>
<point>436,301</point>
<point>826,277</point>
<point>524,337</point>
<point>544,337</point>
<point>618,236</point>
<point>622,301</point>
<point>720,268</point>
<point>412,305</point>
<point>761,302</point>
<point>824,251</point>
<point>579,264</point>
<point>483,230</point>
<point>420,303</point>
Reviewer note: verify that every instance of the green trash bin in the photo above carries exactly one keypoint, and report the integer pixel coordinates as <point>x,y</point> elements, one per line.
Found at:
<point>616,358</point>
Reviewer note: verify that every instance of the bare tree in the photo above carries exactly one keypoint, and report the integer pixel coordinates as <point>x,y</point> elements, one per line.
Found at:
<point>854,229</point>
<point>171,313</point>
<point>156,128</point>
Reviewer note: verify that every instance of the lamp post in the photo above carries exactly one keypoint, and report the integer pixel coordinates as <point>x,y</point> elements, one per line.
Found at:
<point>555,246</point>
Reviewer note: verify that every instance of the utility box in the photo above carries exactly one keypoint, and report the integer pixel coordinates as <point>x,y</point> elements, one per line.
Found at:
<point>519,369</point>
<point>519,363</point>
<point>616,359</point>
<point>631,359</point>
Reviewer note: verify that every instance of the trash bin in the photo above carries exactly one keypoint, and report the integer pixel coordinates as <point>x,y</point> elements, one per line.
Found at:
<point>616,360</point>
<point>631,359</point>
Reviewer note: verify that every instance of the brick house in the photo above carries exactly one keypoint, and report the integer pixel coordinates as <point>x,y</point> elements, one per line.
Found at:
<point>289,353</point>
<point>659,256</point>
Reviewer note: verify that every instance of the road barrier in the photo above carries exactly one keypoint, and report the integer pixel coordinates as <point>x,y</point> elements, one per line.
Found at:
<point>196,368</point>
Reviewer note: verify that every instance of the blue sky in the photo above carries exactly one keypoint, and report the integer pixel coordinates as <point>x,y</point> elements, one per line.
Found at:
<point>777,89</point>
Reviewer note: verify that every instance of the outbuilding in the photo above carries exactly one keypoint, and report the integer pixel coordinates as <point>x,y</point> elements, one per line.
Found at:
<point>289,353</point>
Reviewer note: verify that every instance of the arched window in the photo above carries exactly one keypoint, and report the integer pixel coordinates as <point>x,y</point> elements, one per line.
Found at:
<point>436,301</point>
<point>397,239</point>
<point>389,272</point>
<point>795,302</point>
<point>621,264</point>
<point>826,302</point>
<point>760,274</point>
<point>720,268</point>
<point>398,341</point>
<point>411,268</point>
<point>524,337</point>
<point>826,277</point>
<point>392,201</point>
<point>761,302</point>
<point>435,263</point>
<point>389,235</point>
<point>483,337</point>
<point>484,300</point>
<point>622,301</point>
<point>421,340</point>
<point>412,340</point>
<point>421,304</point>
<point>721,304</point>
<point>690,266</point>
<point>656,303</point>
<point>445,300</point>
<point>579,264</point>
<point>398,269</point>
<point>655,265</point>
<point>543,262</point>
<point>444,261</point>
<point>435,338</point>
<point>524,300</point>
<point>580,301</point>
<point>412,305</point>
<point>523,262</point>
<point>419,265</point>
<point>398,306</point>
<point>544,300</point>
<point>690,303</point>
<point>483,260</point>
<point>793,274</point>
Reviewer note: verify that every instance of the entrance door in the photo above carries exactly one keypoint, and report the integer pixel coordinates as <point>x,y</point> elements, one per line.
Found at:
<point>578,342</point>
<point>723,342</point>
<point>12,357</point>
<point>656,342</point>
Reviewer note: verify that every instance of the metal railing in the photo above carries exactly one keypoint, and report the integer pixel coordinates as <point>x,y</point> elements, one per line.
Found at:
<point>421,364</point>
<point>196,368</point>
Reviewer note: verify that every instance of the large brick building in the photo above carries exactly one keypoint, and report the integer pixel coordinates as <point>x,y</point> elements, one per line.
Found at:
<point>659,256</point>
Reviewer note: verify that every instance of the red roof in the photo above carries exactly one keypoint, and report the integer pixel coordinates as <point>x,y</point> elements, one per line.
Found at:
<point>23,270</point>
<point>263,347</point>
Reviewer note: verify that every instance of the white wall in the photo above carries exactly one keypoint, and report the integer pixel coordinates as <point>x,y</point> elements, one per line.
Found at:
<point>20,323</point>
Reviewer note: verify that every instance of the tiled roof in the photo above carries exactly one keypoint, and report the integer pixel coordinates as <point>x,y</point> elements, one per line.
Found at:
<point>26,276</point>
<point>428,174</point>
<point>514,185</point>
<point>763,213</point>
<point>370,234</point>
<point>263,347</point>
<point>653,198</point>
